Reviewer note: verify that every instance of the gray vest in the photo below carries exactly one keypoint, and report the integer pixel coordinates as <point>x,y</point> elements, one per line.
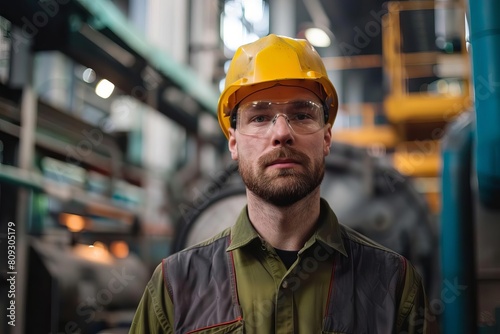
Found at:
<point>363,298</point>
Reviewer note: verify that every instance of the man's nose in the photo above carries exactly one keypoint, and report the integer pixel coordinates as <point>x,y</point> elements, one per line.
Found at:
<point>281,120</point>
<point>281,131</point>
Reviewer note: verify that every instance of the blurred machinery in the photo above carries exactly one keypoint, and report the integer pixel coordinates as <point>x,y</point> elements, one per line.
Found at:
<point>426,70</point>
<point>89,213</point>
<point>471,188</point>
<point>91,288</point>
<point>442,131</point>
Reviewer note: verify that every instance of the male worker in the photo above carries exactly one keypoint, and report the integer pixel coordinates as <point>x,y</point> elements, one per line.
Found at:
<point>287,265</point>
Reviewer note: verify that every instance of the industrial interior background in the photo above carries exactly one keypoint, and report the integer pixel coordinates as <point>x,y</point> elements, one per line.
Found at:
<point>111,157</point>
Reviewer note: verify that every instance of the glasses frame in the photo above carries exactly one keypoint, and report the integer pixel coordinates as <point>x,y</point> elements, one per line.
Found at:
<point>234,115</point>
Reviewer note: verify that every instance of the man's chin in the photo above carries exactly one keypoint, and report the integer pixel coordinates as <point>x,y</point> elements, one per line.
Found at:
<point>283,192</point>
<point>283,181</point>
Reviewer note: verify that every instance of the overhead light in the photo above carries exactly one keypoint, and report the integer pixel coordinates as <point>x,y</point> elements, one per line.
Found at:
<point>317,37</point>
<point>317,32</point>
<point>88,75</point>
<point>104,88</point>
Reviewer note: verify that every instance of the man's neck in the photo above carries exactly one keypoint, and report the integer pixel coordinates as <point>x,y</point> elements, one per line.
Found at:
<point>286,228</point>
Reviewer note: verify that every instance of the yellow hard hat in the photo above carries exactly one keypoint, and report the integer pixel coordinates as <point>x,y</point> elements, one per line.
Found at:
<point>271,60</point>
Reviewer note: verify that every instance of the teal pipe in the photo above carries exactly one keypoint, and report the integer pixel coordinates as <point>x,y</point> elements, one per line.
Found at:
<point>484,36</point>
<point>457,245</point>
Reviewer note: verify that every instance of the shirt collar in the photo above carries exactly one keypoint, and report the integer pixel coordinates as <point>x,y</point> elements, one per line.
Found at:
<point>242,232</point>
<point>328,230</point>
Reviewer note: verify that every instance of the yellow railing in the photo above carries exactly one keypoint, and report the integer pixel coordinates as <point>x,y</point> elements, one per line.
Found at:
<point>400,104</point>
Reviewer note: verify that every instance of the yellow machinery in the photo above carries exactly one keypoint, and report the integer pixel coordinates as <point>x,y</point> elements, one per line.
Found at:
<point>401,105</point>
<point>416,117</point>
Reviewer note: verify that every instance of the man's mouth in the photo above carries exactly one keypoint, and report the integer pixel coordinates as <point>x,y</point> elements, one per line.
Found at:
<point>283,158</point>
<point>284,163</point>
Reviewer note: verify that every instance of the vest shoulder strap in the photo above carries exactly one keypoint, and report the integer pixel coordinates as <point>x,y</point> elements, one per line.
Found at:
<point>201,282</point>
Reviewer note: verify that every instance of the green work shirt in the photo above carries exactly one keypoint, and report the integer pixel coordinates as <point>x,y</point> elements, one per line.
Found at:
<point>278,300</point>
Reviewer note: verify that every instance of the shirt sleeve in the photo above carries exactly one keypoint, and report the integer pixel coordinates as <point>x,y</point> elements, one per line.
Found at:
<point>155,311</point>
<point>415,315</point>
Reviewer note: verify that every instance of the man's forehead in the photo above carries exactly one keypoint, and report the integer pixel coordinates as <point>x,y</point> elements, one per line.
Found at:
<point>281,94</point>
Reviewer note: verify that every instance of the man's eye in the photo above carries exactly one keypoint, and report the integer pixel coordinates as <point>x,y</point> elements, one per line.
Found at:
<point>302,116</point>
<point>259,119</point>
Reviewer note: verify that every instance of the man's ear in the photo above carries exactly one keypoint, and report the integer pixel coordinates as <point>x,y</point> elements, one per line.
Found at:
<point>327,139</point>
<point>232,144</point>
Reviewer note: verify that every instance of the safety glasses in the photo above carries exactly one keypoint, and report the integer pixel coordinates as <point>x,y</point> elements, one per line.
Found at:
<point>258,117</point>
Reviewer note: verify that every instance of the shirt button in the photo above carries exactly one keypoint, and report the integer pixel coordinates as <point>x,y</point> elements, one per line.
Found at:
<point>284,285</point>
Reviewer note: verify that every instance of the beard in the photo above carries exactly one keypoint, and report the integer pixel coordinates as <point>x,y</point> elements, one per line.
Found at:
<point>285,186</point>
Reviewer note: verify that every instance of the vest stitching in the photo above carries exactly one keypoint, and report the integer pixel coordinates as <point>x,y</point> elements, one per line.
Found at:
<point>401,284</point>
<point>166,281</point>
<point>216,325</point>
<point>330,289</point>
<point>332,279</point>
<point>234,283</point>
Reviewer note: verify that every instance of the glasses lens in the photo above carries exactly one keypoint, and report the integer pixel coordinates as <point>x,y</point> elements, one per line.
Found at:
<point>257,117</point>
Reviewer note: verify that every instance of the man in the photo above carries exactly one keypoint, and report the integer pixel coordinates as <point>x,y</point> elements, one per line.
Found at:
<point>287,265</point>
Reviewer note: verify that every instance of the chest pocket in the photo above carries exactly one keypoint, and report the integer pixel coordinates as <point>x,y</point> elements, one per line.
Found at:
<point>232,328</point>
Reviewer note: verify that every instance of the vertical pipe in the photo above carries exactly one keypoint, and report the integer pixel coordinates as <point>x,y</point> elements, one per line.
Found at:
<point>458,289</point>
<point>485,44</point>
<point>26,155</point>
<point>282,15</point>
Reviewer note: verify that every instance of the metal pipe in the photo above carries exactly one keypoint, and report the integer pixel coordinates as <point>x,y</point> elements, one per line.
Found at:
<point>484,36</point>
<point>457,246</point>
<point>26,157</point>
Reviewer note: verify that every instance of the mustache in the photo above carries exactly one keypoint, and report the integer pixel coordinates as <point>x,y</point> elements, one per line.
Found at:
<point>283,153</point>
